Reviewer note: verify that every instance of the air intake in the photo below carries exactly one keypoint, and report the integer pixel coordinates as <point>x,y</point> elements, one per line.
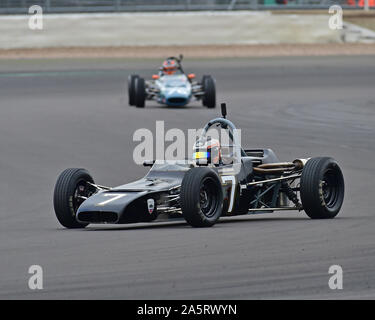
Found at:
<point>176,100</point>
<point>98,217</point>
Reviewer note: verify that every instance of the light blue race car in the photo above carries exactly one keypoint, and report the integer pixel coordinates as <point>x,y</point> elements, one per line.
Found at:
<point>171,87</point>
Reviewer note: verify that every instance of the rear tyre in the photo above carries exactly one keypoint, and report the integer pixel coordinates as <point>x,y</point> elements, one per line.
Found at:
<point>140,93</point>
<point>209,98</point>
<point>201,197</point>
<point>70,187</point>
<point>322,188</point>
<point>131,88</point>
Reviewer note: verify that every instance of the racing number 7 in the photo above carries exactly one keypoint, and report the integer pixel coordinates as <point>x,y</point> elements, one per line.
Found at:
<point>232,179</point>
<point>114,196</point>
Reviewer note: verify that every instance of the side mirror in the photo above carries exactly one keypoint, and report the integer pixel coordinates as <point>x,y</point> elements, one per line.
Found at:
<point>224,110</point>
<point>180,57</point>
<point>155,77</point>
<point>191,76</point>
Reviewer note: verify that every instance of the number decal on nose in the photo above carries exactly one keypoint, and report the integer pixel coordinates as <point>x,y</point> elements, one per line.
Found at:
<point>114,196</point>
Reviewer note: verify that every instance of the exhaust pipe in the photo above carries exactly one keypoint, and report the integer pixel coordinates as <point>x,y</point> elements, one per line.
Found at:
<point>280,167</point>
<point>300,163</point>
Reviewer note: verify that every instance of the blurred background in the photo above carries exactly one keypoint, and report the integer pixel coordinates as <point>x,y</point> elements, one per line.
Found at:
<point>291,83</point>
<point>21,6</point>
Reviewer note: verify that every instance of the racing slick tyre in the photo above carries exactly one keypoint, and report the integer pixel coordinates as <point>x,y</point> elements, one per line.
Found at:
<point>131,88</point>
<point>202,82</point>
<point>209,97</point>
<point>201,197</point>
<point>140,93</point>
<point>70,191</point>
<point>322,188</point>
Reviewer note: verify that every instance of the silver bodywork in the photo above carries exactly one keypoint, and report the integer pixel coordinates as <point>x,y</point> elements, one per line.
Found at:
<point>173,90</point>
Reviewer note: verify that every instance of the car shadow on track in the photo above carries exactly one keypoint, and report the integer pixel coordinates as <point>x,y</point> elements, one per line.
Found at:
<point>157,106</point>
<point>180,223</point>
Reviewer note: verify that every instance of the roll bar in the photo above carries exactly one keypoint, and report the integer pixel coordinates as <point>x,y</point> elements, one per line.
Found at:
<point>233,132</point>
<point>178,60</point>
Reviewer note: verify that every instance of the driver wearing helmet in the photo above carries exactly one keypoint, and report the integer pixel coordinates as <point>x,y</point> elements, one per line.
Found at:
<point>169,67</point>
<point>207,151</point>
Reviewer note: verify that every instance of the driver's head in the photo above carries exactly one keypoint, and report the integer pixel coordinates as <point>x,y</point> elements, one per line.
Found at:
<point>207,151</point>
<point>169,66</point>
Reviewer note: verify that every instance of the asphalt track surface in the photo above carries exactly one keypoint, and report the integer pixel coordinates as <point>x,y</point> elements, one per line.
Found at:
<point>56,114</point>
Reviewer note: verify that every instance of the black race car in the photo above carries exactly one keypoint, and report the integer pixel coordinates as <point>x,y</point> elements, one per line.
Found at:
<point>205,188</point>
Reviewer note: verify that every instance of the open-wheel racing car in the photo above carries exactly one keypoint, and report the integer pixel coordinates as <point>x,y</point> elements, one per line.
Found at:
<point>171,87</point>
<point>219,180</point>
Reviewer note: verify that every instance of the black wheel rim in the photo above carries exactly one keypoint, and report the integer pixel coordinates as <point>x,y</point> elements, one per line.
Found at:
<point>208,197</point>
<point>331,188</point>
<point>82,191</point>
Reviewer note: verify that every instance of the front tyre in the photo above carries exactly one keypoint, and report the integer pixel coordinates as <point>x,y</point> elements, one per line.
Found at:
<point>322,188</point>
<point>140,93</point>
<point>132,79</point>
<point>201,197</point>
<point>209,98</point>
<point>203,83</point>
<point>71,189</point>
